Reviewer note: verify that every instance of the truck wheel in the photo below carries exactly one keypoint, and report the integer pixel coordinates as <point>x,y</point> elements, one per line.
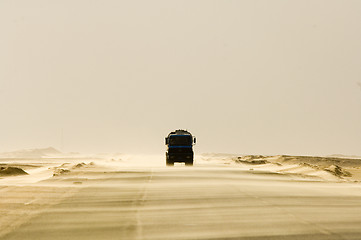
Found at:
<point>190,163</point>
<point>169,162</point>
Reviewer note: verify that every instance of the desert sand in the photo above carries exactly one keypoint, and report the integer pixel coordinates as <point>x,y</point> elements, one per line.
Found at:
<point>220,197</point>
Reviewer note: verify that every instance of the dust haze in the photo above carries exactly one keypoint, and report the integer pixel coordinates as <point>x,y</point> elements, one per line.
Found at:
<point>253,77</point>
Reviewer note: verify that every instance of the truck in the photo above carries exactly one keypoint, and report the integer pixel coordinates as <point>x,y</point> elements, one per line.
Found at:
<point>179,147</point>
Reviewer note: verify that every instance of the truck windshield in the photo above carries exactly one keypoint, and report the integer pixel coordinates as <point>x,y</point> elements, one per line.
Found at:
<point>180,140</point>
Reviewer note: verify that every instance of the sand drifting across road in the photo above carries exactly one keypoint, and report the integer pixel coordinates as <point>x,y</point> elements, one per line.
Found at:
<point>132,193</point>
<point>28,189</point>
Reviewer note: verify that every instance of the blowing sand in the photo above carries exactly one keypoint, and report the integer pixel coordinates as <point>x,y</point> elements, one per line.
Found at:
<point>115,192</point>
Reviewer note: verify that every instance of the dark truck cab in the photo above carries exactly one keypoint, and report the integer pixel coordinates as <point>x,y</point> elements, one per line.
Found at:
<point>180,147</point>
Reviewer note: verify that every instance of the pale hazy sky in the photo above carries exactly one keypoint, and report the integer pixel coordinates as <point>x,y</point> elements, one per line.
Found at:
<point>255,77</point>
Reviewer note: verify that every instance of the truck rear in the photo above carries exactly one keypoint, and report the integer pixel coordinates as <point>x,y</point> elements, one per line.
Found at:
<point>180,147</point>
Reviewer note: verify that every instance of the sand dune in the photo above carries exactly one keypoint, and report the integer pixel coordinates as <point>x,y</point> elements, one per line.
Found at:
<point>11,171</point>
<point>31,153</point>
<point>326,168</point>
<point>343,168</point>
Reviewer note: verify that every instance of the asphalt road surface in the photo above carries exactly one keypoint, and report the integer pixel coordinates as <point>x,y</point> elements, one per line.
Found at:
<point>200,202</point>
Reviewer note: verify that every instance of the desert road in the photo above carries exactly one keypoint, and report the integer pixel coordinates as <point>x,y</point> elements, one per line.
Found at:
<point>206,201</point>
